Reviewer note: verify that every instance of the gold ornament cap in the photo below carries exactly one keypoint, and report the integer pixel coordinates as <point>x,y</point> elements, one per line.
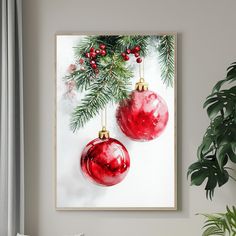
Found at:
<point>103,134</point>
<point>141,85</point>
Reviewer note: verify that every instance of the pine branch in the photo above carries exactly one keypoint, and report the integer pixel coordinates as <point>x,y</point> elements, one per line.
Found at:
<point>166,59</point>
<point>111,80</point>
<point>100,94</point>
<point>120,86</point>
<point>111,86</point>
<point>130,41</point>
<point>82,78</point>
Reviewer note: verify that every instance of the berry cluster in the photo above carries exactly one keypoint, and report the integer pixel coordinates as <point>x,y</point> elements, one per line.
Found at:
<point>135,51</point>
<point>94,53</point>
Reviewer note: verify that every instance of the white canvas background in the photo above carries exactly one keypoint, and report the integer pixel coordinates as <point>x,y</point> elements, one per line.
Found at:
<point>150,181</point>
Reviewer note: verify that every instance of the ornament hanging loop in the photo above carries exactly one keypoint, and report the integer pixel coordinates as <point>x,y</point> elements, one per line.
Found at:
<point>141,85</point>
<point>104,133</point>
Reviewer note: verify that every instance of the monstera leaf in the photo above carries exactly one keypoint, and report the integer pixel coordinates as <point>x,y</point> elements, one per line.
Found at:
<point>219,142</point>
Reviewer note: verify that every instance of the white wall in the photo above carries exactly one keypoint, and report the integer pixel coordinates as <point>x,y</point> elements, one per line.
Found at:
<point>206,46</point>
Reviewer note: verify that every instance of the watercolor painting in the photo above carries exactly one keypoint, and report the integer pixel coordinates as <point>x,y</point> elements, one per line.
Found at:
<point>116,122</point>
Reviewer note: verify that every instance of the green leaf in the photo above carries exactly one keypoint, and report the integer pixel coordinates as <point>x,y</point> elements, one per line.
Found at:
<point>222,178</point>
<point>221,154</point>
<point>214,109</point>
<point>233,146</point>
<point>198,177</point>
<point>209,101</point>
<point>221,223</point>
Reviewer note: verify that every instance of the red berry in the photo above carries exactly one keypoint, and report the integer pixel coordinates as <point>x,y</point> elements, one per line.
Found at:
<point>97,51</point>
<point>102,46</point>
<point>93,54</point>
<point>126,58</point>
<point>137,48</point>
<point>136,54</point>
<point>92,49</point>
<point>133,51</point>
<point>92,62</point>
<point>128,51</point>
<point>103,52</point>
<point>87,54</point>
<point>81,61</point>
<point>94,66</point>
<point>123,54</point>
<point>139,60</point>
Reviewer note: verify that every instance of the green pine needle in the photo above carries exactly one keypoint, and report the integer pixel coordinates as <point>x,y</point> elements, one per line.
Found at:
<point>166,49</point>
<point>98,97</point>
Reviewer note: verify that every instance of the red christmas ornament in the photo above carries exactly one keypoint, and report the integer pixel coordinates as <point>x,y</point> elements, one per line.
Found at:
<point>144,115</point>
<point>87,54</point>
<point>136,54</point>
<point>92,49</point>
<point>105,161</point>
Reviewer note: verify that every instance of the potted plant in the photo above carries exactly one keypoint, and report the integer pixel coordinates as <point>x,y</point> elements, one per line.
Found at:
<point>217,152</point>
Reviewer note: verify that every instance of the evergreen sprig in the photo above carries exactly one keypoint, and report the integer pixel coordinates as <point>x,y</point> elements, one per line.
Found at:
<point>166,48</point>
<point>112,82</point>
<point>112,85</point>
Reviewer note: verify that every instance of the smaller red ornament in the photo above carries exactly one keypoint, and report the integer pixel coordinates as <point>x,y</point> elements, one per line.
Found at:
<point>103,52</point>
<point>93,54</point>
<point>139,60</point>
<point>123,54</point>
<point>128,51</point>
<point>87,54</point>
<point>126,58</point>
<point>144,115</point>
<point>97,51</point>
<point>94,66</point>
<point>137,48</point>
<point>92,49</point>
<point>102,46</point>
<point>136,54</point>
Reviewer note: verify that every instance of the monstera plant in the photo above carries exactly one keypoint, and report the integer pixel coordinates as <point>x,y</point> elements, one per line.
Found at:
<point>217,152</point>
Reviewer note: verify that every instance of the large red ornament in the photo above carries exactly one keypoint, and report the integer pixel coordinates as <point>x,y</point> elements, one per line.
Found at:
<point>144,115</point>
<point>105,161</point>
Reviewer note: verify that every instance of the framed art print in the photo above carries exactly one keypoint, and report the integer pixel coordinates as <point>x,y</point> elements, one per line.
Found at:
<point>115,122</point>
